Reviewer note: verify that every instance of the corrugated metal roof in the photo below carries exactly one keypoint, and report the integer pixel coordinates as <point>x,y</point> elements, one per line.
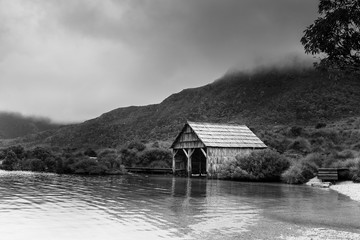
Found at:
<point>226,135</point>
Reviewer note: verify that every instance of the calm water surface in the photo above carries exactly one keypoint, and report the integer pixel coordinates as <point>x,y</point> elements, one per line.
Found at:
<point>50,206</point>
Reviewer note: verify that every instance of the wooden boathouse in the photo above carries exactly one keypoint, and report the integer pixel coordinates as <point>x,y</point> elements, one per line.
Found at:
<point>200,148</point>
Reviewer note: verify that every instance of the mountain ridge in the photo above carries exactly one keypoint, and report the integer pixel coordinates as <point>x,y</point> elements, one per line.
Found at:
<point>13,125</point>
<point>260,100</point>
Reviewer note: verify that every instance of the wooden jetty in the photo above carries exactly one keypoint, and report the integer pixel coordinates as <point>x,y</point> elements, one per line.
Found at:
<point>149,170</point>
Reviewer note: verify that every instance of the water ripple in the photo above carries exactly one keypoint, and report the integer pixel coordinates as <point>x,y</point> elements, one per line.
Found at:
<point>51,206</point>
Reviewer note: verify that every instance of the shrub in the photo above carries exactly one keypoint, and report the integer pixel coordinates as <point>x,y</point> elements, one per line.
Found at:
<point>159,164</point>
<point>355,172</point>
<point>303,170</point>
<point>40,153</point>
<point>129,157</point>
<point>300,172</point>
<point>279,144</point>
<point>50,164</point>
<point>328,134</point>
<point>110,159</point>
<point>68,165</point>
<point>225,170</point>
<point>155,145</point>
<point>293,175</point>
<point>314,158</point>
<point>231,170</point>
<point>296,131</point>
<point>18,150</point>
<point>90,152</point>
<point>36,165</point>
<point>300,144</point>
<point>320,125</point>
<point>10,162</point>
<point>89,166</point>
<point>139,146</point>
<point>155,155</point>
<point>345,154</point>
<point>262,165</point>
<point>356,147</point>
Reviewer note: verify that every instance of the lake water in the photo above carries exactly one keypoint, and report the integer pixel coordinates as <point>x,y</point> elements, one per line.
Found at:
<point>49,206</point>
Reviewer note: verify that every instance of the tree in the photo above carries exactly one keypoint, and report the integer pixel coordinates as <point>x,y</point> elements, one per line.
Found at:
<point>335,36</point>
<point>90,152</point>
<point>11,161</point>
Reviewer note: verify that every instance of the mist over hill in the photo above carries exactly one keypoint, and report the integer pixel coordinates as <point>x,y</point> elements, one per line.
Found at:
<point>13,125</point>
<point>260,99</point>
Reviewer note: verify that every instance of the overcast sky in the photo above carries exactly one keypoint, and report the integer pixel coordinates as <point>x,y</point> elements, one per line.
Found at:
<point>72,60</point>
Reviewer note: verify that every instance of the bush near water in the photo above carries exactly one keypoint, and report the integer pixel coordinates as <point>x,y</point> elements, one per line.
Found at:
<point>89,161</point>
<point>262,165</point>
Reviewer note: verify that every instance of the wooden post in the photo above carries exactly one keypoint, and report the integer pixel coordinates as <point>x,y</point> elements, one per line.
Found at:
<point>173,161</point>
<point>209,164</point>
<point>188,168</point>
<point>206,167</point>
<point>188,155</point>
<point>189,165</point>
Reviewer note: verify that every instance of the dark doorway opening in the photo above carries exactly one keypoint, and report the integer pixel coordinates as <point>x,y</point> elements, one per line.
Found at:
<point>198,163</point>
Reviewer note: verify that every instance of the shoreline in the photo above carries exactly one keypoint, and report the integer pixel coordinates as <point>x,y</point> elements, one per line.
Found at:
<point>348,188</point>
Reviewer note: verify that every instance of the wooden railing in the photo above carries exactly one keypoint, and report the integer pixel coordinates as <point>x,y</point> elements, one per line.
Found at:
<point>149,170</point>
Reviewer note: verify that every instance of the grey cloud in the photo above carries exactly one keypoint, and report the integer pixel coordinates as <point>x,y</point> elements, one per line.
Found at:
<point>138,51</point>
<point>175,30</point>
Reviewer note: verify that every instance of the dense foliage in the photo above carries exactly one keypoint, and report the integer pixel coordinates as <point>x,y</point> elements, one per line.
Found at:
<point>136,154</point>
<point>262,165</point>
<point>89,161</point>
<point>336,34</point>
<point>41,159</point>
<point>302,170</point>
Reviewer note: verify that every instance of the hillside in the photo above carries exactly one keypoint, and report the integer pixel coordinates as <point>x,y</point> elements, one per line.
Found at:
<point>261,100</point>
<point>13,125</point>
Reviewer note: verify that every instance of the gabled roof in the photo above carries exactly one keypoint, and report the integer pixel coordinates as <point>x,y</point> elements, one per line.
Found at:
<point>225,135</point>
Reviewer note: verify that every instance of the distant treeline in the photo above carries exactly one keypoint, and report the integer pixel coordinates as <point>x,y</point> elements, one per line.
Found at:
<point>88,161</point>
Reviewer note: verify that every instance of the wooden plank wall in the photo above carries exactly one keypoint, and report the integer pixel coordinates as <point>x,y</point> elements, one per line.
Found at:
<point>328,174</point>
<point>180,160</point>
<point>217,156</point>
<point>188,139</point>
